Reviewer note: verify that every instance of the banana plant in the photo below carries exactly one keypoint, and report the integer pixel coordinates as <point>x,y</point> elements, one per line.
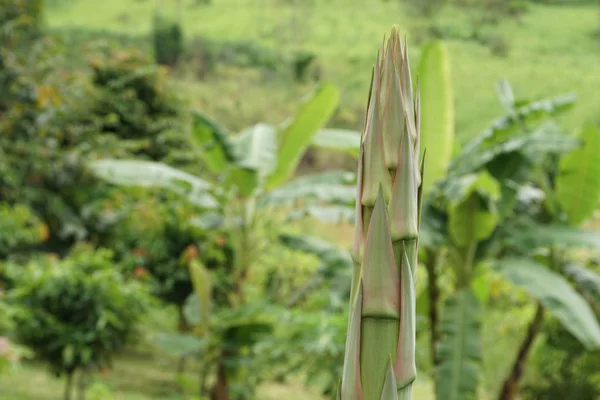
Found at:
<point>463,216</point>
<point>543,242</point>
<point>244,177</point>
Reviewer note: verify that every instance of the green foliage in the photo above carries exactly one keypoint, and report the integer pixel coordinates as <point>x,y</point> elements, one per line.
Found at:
<point>302,63</point>
<point>54,121</point>
<point>338,139</point>
<point>562,368</point>
<point>168,40</point>
<point>21,23</point>
<point>555,293</point>
<point>160,238</point>
<point>531,236</point>
<point>587,283</point>
<point>77,312</point>
<point>437,110</point>
<point>156,175</point>
<point>233,346</point>
<point>506,135</point>
<point>331,187</point>
<point>426,8</point>
<point>19,229</point>
<point>460,352</point>
<point>235,198</point>
<point>134,102</point>
<point>479,213</point>
<point>296,136</point>
<point>578,180</point>
<point>259,158</point>
<point>473,214</point>
<point>10,352</point>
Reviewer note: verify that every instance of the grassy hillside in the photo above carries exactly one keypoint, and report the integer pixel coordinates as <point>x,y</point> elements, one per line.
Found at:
<point>549,50</point>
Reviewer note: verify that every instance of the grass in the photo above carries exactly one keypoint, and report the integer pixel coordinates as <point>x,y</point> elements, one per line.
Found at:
<point>140,377</point>
<point>550,50</point>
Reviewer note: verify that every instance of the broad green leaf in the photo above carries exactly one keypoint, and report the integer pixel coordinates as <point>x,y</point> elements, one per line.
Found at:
<point>246,324</point>
<point>298,134</point>
<point>202,288</point>
<point>332,187</point>
<point>512,170</point>
<point>325,214</point>
<point>256,148</point>
<point>332,257</point>
<point>459,349</point>
<point>434,226</point>
<point>246,180</point>
<point>338,139</point>
<point>192,311</point>
<point>213,143</point>
<point>557,295</point>
<point>587,282</point>
<point>208,220</point>
<point>155,174</point>
<point>473,215</point>
<point>481,285</point>
<point>477,151</point>
<point>531,236</point>
<point>178,344</point>
<point>505,94</point>
<point>546,139</point>
<point>437,110</point>
<point>578,181</point>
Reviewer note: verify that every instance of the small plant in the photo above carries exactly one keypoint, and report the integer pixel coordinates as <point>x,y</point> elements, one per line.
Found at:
<point>302,63</point>
<point>562,368</point>
<point>426,8</point>
<point>248,176</point>
<point>168,40</point>
<point>20,229</point>
<point>77,312</point>
<point>380,346</point>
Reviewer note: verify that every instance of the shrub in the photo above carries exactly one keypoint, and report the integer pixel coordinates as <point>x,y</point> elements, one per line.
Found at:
<point>19,229</point>
<point>302,63</point>
<point>21,21</point>
<point>168,40</point>
<point>78,311</point>
<point>426,8</point>
<point>53,122</point>
<point>159,237</point>
<point>132,100</point>
<point>563,368</point>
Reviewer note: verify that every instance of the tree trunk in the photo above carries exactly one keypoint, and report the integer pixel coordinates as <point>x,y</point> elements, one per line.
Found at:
<point>81,385</point>
<point>69,385</point>
<point>434,296</point>
<point>220,391</point>
<point>182,326</point>
<point>510,388</point>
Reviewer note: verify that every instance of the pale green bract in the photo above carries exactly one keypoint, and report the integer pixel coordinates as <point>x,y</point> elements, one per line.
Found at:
<point>379,361</point>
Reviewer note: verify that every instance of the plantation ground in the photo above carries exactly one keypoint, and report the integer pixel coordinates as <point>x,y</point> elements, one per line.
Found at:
<point>140,378</point>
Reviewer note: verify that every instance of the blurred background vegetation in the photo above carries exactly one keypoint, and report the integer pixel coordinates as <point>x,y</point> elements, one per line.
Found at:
<point>177,188</point>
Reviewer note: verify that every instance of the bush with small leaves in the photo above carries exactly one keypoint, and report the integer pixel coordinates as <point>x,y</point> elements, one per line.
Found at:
<point>158,239</point>
<point>168,40</point>
<point>19,230</point>
<point>76,313</point>
<point>562,368</point>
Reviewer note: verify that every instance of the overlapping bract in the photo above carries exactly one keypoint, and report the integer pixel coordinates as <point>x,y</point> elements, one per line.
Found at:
<point>380,347</point>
